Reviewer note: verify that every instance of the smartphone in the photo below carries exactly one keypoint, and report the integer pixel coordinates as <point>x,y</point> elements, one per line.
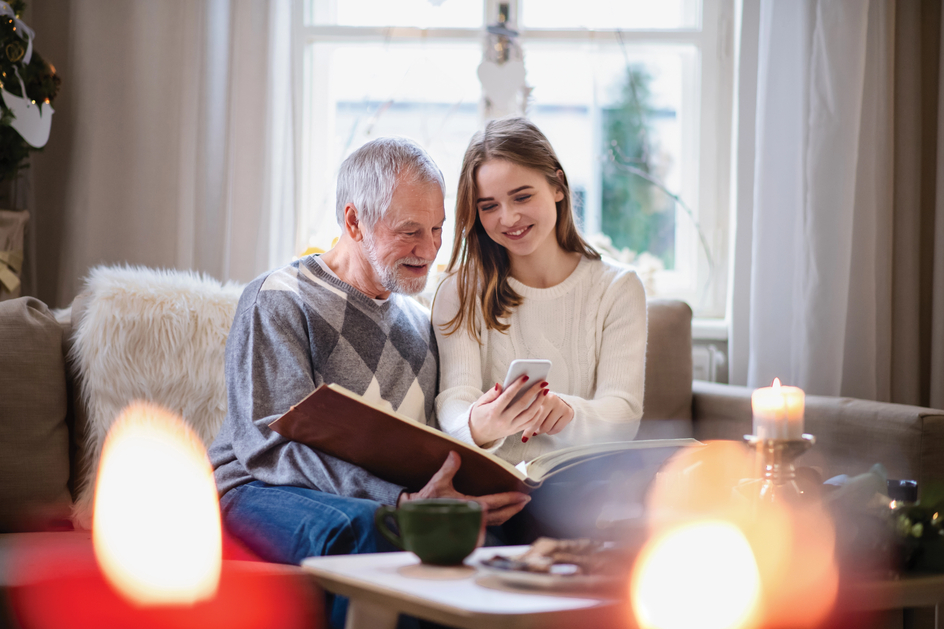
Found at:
<point>537,370</point>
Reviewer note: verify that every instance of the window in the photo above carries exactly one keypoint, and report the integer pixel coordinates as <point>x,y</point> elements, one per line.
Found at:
<point>635,96</point>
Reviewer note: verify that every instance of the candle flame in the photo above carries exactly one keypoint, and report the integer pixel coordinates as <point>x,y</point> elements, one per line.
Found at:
<point>709,566</point>
<point>776,384</point>
<point>156,520</point>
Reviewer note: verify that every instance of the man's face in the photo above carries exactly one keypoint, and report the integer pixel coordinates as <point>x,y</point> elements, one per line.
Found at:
<point>403,244</point>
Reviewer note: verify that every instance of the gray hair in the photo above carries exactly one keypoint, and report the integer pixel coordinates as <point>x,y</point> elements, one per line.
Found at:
<point>369,175</point>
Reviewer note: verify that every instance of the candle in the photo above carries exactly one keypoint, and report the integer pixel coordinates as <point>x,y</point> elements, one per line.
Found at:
<point>778,412</point>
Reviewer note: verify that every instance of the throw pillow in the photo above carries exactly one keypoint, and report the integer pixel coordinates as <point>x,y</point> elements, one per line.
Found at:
<point>151,335</point>
<point>34,438</point>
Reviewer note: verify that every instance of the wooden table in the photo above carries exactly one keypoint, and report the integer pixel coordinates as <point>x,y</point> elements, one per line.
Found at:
<point>381,586</point>
<point>907,592</point>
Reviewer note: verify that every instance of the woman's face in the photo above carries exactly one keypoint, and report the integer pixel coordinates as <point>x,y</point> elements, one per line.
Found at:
<point>517,207</point>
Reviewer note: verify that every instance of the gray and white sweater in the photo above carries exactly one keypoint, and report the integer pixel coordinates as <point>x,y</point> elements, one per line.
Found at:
<point>296,328</point>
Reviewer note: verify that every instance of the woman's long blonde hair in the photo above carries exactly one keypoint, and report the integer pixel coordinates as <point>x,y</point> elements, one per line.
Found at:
<point>481,264</point>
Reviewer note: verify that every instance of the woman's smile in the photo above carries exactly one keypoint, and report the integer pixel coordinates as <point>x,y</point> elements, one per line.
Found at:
<point>519,232</point>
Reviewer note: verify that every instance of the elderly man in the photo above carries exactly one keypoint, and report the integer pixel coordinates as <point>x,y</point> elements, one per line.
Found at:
<point>342,317</point>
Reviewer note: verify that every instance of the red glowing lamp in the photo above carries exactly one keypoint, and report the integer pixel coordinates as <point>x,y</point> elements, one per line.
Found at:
<point>154,557</point>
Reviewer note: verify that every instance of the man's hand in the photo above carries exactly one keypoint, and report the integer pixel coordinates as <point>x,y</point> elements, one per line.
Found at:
<point>493,416</point>
<point>498,507</point>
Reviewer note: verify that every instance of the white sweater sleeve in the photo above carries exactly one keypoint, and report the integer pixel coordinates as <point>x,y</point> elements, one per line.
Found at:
<point>460,367</point>
<point>616,408</point>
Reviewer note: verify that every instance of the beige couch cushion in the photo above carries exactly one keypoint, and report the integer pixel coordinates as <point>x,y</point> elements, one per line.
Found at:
<point>668,362</point>
<point>34,438</point>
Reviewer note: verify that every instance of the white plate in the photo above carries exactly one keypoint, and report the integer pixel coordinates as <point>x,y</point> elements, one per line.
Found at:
<point>544,581</point>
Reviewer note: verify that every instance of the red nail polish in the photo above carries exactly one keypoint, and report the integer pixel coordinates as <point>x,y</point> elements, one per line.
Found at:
<point>524,440</point>
<point>525,379</point>
<point>545,391</point>
<point>543,384</point>
<point>496,386</point>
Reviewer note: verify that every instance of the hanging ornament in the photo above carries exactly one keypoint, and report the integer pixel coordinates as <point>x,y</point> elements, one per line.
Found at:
<point>15,51</point>
<point>31,120</point>
<point>502,84</point>
<point>502,72</point>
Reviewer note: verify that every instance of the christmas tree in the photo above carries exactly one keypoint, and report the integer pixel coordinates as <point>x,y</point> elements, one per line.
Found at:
<point>27,80</point>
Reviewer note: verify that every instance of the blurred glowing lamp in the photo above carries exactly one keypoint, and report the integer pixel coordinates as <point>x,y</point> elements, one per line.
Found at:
<point>156,520</point>
<point>155,558</point>
<point>701,574</point>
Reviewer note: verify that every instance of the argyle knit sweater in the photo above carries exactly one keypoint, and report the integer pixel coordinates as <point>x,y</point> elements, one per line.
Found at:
<point>296,328</point>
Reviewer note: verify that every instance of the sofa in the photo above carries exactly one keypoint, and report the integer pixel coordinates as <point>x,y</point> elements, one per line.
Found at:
<point>140,333</point>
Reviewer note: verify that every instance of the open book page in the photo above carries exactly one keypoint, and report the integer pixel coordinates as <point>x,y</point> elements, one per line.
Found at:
<point>551,463</point>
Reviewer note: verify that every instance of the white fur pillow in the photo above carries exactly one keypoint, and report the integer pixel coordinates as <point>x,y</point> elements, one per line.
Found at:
<point>150,335</point>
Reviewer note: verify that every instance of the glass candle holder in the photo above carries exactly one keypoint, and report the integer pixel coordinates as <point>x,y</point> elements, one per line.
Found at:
<point>777,457</point>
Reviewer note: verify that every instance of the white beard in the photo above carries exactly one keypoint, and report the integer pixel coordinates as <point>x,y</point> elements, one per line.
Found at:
<point>390,277</point>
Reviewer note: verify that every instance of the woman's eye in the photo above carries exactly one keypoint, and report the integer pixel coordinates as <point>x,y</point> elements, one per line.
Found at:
<point>486,208</point>
<point>522,198</point>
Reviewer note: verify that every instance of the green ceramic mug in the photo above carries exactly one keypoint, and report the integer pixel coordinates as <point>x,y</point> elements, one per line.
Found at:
<point>440,531</point>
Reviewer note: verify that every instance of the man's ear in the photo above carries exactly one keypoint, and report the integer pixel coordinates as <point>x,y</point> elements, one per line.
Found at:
<point>352,225</point>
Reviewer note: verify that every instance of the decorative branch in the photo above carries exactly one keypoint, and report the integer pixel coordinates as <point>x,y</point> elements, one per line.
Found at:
<point>619,160</point>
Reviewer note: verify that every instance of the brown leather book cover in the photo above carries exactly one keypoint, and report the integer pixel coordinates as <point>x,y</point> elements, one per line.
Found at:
<point>340,423</point>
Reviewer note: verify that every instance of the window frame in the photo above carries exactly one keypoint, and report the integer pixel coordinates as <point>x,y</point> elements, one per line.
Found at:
<point>713,88</point>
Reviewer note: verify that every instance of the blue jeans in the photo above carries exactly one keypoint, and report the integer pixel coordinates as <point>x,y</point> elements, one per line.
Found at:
<point>287,524</point>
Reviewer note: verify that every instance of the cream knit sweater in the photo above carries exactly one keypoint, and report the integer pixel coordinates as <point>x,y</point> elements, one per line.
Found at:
<point>591,326</point>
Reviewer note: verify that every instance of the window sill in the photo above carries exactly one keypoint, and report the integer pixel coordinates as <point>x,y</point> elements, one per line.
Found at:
<point>709,329</point>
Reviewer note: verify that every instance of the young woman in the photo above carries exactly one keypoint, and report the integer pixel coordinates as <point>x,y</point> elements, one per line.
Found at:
<point>523,283</point>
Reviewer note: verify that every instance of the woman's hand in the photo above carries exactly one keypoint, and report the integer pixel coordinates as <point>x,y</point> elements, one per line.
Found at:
<point>493,415</point>
<point>554,416</point>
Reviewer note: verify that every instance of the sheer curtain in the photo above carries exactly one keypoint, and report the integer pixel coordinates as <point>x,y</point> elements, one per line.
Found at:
<point>172,144</point>
<point>846,277</point>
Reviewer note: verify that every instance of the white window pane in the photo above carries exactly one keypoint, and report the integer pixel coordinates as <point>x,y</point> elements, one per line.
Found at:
<point>607,14</point>
<point>417,13</point>
<point>427,92</point>
<point>584,103</point>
